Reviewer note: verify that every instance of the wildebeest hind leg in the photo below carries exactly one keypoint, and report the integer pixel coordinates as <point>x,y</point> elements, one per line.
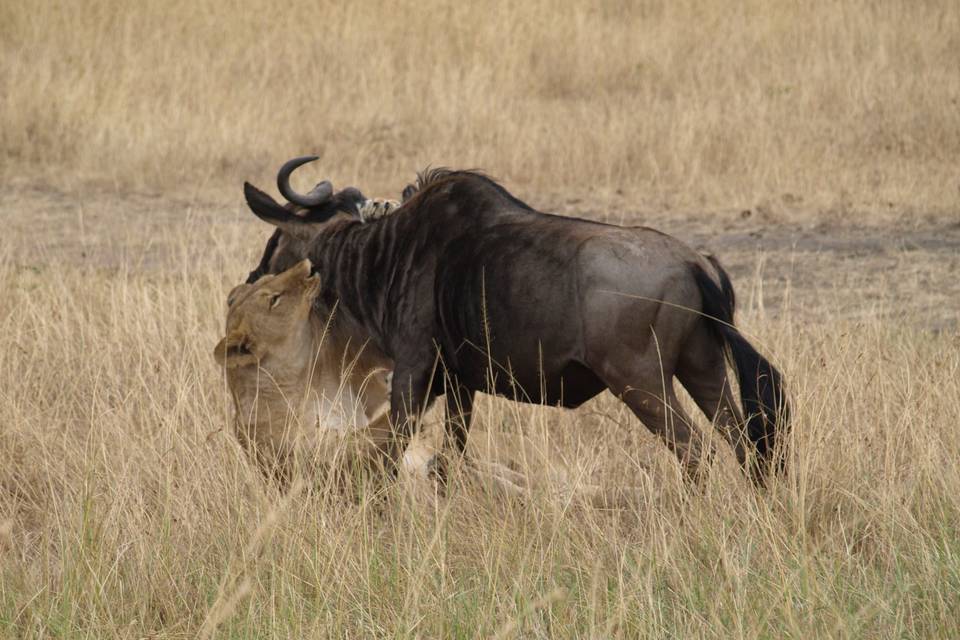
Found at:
<point>662,414</point>
<point>655,403</point>
<point>644,381</point>
<point>702,371</point>
<point>718,404</point>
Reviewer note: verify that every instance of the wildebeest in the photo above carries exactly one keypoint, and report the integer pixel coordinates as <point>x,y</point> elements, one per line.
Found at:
<point>467,288</point>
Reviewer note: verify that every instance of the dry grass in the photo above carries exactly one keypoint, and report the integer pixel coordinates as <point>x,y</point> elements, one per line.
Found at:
<point>850,106</point>
<point>127,510</point>
<point>126,507</point>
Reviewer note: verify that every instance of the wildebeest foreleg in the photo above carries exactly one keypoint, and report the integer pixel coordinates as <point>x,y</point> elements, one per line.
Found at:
<point>410,396</point>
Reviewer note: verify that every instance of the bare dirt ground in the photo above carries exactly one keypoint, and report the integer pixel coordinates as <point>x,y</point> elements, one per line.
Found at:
<point>821,264</point>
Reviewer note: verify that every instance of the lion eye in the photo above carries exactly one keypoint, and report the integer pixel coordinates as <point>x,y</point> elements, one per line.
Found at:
<point>274,299</point>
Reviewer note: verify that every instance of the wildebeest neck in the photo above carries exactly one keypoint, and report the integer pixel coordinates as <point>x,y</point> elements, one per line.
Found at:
<point>377,274</point>
<point>368,271</point>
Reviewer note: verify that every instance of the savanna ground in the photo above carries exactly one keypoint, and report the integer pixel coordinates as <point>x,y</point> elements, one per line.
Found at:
<point>815,150</point>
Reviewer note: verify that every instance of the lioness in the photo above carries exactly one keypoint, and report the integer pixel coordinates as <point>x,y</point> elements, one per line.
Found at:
<point>298,389</point>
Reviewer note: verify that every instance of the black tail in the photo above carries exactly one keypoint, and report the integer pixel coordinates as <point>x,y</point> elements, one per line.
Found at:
<point>725,285</point>
<point>761,385</point>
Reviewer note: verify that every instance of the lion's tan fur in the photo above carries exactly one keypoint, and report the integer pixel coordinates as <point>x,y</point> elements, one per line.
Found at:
<point>300,392</point>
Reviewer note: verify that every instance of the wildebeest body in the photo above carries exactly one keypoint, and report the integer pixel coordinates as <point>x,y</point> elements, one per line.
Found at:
<point>468,289</point>
<point>524,295</point>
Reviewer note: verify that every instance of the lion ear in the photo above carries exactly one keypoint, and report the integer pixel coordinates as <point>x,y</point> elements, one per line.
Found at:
<point>303,268</point>
<point>308,280</point>
<point>236,292</point>
<point>313,284</point>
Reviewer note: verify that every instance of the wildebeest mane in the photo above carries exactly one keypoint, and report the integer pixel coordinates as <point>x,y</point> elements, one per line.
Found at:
<point>431,176</point>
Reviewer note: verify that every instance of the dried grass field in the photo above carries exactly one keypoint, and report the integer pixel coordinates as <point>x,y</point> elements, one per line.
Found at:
<point>814,149</point>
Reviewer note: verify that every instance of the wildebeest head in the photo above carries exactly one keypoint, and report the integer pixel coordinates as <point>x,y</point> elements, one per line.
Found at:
<point>267,318</point>
<point>299,221</point>
<point>305,215</point>
<point>320,202</point>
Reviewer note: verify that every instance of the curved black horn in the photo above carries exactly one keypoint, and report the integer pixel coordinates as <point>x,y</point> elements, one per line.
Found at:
<point>317,196</point>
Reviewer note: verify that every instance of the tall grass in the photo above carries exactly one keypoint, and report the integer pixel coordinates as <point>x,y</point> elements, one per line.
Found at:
<point>843,107</point>
<point>128,510</point>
